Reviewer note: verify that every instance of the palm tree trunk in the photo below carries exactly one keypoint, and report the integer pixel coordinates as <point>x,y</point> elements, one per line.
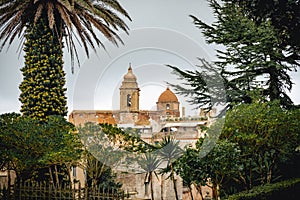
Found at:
<point>174,185</point>
<point>43,73</point>
<point>151,186</point>
<point>174,182</point>
<point>162,188</point>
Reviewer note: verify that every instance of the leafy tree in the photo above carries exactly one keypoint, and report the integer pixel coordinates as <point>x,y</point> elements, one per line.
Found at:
<point>110,147</point>
<point>22,146</point>
<point>28,146</point>
<point>126,139</point>
<point>252,58</point>
<point>224,164</point>
<point>187,167</point>
<point>268,136</point>
<point>63,147</point>
<point>101,155</point>
<point>219,165</point>
<point>46,24</point>
<point>6,120</point>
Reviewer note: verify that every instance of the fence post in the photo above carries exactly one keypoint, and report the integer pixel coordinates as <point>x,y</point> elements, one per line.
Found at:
<point>86,192</point>
<point>79,192</point>
<point>49,191</point>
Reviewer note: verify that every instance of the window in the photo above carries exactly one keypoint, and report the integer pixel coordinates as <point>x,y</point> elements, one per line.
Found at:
<point>128,100</point>
<point>74,171</point>
<point>168,106</point>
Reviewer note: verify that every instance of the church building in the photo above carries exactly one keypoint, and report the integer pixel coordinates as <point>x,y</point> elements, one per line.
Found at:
<point>152,125</point>
<point>129,113</point>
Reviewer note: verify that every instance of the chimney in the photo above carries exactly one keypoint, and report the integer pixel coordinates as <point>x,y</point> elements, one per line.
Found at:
<point>183,112</point>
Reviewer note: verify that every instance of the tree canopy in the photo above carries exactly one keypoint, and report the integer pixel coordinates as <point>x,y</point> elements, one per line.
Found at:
<point>28,146</point>
<point>258,145</point>
<point>251,58</point>
<point>284,16</point>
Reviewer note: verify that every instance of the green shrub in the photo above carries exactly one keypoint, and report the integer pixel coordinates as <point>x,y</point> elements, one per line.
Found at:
<point>288,189</point>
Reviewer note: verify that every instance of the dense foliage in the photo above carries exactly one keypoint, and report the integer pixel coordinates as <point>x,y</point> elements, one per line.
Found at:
<point>287,189</point>
<point>218,166</point>
<point>268,137</point>
<point>258,145</point>
<point>27,146</point>
<point>284,16</point>
<point>250,58</point>
<point>43,87</point>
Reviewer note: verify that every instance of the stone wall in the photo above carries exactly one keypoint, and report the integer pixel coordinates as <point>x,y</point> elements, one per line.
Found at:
<point>139,188</point>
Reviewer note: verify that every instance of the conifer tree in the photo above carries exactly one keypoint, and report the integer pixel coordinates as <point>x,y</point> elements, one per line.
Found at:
<point>252,58</point>
<point>42,89</point>
<point>284,16</point>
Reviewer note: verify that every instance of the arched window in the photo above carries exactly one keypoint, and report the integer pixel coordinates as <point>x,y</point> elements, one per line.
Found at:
<point>168,106</point>
<point>128,100</point>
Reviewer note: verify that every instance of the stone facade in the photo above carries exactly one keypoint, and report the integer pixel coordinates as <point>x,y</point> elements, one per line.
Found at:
<point>152,125</point>
<point>139,187</point>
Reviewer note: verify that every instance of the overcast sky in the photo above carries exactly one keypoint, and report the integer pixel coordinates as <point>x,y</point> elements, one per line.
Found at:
<point>161,33</point>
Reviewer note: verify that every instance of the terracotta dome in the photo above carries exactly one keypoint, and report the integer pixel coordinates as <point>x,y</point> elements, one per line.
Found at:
<point>129,74</point>
<point>167,96</point>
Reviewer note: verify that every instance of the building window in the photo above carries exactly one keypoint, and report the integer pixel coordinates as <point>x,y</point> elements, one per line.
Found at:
<point>128,100</point>
<point>168,106</point>
<point>74,171</point>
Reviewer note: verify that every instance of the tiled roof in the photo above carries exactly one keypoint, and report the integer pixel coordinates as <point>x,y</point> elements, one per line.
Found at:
<point>167,96</point>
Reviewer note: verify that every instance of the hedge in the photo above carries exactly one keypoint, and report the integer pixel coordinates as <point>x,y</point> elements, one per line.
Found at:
<point>288,189</point>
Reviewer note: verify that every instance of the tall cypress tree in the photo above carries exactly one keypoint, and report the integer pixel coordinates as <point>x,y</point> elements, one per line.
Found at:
<point>43,87</point>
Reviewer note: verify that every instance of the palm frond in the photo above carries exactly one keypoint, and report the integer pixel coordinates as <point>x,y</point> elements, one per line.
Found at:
<point>64,17</point>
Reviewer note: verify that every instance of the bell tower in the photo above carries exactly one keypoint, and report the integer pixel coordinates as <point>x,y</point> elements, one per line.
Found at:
<point>129,93</point>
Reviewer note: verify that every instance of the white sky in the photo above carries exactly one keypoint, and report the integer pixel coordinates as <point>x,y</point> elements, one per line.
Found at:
<point>161,33</point>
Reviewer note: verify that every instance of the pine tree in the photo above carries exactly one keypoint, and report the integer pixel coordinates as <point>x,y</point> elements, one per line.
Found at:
<point>284,16</point>
<point>253,59</point>
<point>42,89</point>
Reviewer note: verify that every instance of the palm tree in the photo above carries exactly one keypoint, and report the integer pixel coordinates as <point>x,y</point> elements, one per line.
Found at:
<point>44,24</point>
<point>149,162</point>
<point>169,152</point>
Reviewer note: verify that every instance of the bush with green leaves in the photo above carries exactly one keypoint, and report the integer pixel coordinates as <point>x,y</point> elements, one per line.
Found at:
<point>288,189</point>
<point>27,146</point>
